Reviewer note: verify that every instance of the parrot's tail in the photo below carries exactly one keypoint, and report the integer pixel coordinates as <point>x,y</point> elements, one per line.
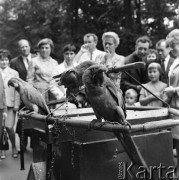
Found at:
<point>132,149</point>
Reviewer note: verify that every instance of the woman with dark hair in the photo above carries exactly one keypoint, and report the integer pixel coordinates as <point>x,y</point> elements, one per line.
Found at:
<point>42,68</point>
<point>69,52</point>
<point>12,99</point>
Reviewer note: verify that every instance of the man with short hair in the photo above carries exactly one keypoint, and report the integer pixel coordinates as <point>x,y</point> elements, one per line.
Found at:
<point>88,51</point>
<point>22,65</point>
<point>141,49</point>
<point>165,59</point>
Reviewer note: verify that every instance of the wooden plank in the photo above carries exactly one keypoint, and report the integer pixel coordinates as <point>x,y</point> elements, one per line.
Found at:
<point>130,113</point>
<point>163,113</point>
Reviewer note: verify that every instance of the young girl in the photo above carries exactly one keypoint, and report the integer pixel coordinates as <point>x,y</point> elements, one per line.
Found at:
<point>154,85</point>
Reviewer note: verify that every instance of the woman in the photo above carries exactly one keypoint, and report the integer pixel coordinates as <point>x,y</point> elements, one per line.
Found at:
<point>12,99</point>
<point>42,67</point>
<point>69,52</point>
<point>172,92</point>
<point>111,59</point>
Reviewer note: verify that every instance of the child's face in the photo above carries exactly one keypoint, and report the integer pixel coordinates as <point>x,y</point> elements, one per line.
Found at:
<point>69,56</point>
<point>130,99</point>
<point>153,74</point>
<point>151,57</point>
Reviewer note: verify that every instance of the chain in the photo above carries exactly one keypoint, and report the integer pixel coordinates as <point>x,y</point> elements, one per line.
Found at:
<point>52,163</point>
<point>22,133</point>
<point>72,150</point>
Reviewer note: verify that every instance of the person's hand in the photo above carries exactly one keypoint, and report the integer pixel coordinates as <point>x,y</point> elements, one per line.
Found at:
<point>139,88</point>
<point>16,108</point>
<point>4,116</point>
<point>84,48</point>
<point>169,91</point>
<point>108,55</point>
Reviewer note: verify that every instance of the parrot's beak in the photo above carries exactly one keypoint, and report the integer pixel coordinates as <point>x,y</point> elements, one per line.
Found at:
<point>13,84</point>
<point>10,83</point>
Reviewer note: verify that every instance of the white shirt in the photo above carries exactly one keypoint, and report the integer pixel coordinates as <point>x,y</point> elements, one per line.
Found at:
<point>166,61</point>
<point>26,60</point>
<point>94,56</point>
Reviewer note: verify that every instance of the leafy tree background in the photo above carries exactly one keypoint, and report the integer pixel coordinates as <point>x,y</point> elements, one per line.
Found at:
<point>66,21</point>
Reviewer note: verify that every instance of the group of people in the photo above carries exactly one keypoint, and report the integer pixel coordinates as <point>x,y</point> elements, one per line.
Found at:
<point>160,75</point>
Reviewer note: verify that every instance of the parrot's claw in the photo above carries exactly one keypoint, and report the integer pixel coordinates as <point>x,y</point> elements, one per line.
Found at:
<point>93,122</point>
<point>30,113</point>
<point>126,123</point>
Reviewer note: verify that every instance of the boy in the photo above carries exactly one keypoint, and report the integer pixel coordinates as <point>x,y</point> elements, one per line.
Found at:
<point>131,97</point>
<point>154,85</point>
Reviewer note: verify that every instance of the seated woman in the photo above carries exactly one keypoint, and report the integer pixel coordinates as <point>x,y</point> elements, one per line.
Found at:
<point>154,85</point>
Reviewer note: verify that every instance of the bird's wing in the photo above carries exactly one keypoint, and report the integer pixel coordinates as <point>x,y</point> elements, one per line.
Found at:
<point>117,94</point>
<point>113,91</point>
<point>35,97</point>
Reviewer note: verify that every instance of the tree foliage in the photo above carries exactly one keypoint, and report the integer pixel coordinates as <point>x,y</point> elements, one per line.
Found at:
<point>66,21</point>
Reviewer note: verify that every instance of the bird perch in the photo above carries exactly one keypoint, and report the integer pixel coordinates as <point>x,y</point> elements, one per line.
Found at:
<point>154,125</point>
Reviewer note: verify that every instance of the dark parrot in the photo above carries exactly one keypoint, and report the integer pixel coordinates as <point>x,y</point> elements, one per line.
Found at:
<point>72,80</point>
<point>31,97</point>
<point>107,103</point>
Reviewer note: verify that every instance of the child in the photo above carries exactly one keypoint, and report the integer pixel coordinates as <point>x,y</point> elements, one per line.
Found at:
<point>131,97</point>
<point>152,56</point>
<point>154,85</point>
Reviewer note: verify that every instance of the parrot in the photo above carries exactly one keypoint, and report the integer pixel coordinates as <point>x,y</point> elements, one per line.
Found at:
<point>108,104</point>
<point>72,80</point>
<point>31,97</point>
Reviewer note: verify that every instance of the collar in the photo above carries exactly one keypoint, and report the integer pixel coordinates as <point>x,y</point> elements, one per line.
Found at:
<point>167,58</point>
<point>27,57</point>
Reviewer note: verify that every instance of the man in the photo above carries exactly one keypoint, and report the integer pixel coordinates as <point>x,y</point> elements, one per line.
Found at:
<point>164,58</point>
<point>141,49</point>
<point>88,51</point>
<point>22,64</point>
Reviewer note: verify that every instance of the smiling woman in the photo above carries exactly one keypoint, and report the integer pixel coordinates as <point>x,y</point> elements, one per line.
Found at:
<point>42,67</point>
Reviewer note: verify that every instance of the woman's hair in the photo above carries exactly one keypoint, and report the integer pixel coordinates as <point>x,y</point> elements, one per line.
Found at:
<point>44,42</point>
<point>69,47</point>
<point>5,53</point>
<point>154,65</point>
<point>113,35</point>
<point>153,51</point>
<point>173,37</point>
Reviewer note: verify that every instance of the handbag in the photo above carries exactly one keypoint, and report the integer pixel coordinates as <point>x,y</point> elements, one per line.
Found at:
<point>4,144</point>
